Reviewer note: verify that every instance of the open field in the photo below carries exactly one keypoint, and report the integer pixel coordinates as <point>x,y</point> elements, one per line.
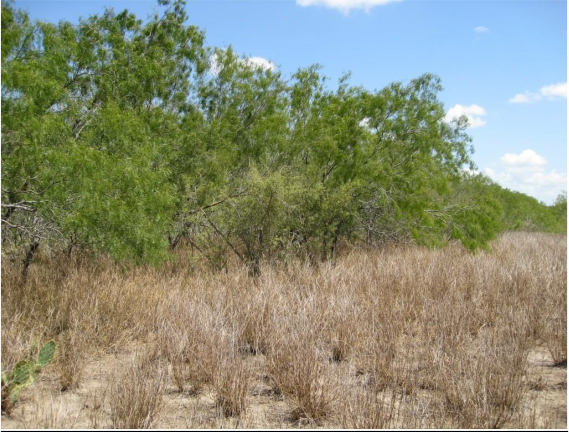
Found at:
<point>399,337</point>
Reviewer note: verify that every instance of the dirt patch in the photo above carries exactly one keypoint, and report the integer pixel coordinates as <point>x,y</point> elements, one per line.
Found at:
<point>43,406</point>
<point>547,395</point>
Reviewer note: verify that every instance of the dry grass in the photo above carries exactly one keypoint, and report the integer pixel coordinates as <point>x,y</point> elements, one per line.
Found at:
<point>400,337</point>
<point>48,413</point>
<point>369,410</point>
<point>71,358</point>
<point>136,394</point>
<point>231,385</point>
<point>298,370</point>
<point>188,338</point>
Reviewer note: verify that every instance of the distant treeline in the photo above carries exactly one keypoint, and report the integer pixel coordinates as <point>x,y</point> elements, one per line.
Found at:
<point>125,136</point>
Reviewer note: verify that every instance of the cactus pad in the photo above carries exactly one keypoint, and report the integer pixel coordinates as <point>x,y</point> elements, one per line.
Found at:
<point>22,372</point>
<point>46,354</point>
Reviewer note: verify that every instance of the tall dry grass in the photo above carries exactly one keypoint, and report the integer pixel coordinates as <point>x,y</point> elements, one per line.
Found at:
<point>136,394</point>
<point>399,337</point>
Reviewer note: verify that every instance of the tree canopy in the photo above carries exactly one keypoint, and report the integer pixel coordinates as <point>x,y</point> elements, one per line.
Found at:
<point>125,136</point>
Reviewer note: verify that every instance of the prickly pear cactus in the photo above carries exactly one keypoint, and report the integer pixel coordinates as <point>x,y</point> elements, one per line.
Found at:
<point>46,354</point>
<point>24,373</point>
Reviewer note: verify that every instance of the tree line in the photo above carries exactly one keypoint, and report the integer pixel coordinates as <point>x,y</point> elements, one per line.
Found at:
<point>126,136</point>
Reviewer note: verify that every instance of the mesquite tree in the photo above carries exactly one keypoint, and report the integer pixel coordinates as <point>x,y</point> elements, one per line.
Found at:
<point>127,136</point>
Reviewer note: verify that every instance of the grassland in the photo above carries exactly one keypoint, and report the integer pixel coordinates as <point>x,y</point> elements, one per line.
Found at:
<point>399,337</point>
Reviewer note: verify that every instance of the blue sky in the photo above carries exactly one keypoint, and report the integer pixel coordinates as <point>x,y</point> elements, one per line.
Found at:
<point>502,63</point>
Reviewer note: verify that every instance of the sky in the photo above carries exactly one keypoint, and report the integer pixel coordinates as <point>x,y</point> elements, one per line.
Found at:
<point>502,63</point>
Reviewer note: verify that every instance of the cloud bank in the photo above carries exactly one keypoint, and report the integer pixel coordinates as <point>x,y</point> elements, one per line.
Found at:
<point>526,172</point>
<point>548,92</point>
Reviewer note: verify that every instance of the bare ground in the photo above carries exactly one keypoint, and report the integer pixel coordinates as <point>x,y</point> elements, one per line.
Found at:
<point>545,403</point>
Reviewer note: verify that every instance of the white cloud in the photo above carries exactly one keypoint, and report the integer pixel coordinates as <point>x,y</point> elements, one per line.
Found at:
<point>550,92</point>
<point>526,172</point>
<point>555,90</point>
<point>260,62</point>
<point>469,171</point>
<point>481,29</point>
<point>254,62</point>
<point>527,158</point>
<point>546,179</point>
<point>365,123</point>
<point>521,98</point>
<point>473,112</point>
<point>345,6</point>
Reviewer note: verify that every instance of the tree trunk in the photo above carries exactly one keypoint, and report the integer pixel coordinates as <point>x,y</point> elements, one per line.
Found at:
<point>29,257</point>
<point>174,241</point>
<point>335,242</point>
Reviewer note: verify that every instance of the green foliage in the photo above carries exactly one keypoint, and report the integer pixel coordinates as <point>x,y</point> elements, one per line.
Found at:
<point>89,114</point>
<point>23,374</point>
<point>477,220</point>
<point>45,356</point>
<point>559,214</point>
<point>121,135</point>
<point>525,213</point>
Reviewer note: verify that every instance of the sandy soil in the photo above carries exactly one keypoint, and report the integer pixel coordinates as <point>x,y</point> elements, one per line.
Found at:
<point>43,406</point>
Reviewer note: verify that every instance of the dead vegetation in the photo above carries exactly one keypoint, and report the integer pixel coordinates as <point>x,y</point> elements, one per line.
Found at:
<point>400,337</point>
<point>136,394</point>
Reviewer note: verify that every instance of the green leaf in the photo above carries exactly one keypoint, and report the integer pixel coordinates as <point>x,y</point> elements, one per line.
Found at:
<point>15,392</point>
<point>21,373</point>
<point>46,354</point>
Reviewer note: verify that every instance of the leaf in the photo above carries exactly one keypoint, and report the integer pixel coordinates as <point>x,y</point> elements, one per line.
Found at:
<point>15,392</point>
<point>46,354</point>
<point>21,373</point>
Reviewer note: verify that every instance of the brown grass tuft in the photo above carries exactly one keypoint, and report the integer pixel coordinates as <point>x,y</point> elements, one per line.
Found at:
<point>136,395</point>
<point>71,359</point>
<point>298,370</point>
<point>231,384</point>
